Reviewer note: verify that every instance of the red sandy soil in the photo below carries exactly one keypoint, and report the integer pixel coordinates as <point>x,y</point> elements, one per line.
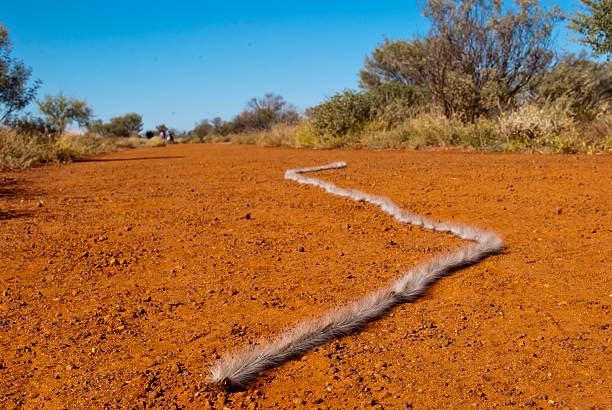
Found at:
<point>123,278</point>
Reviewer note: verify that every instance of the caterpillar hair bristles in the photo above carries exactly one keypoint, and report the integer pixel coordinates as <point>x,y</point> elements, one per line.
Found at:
<point>237,370</point>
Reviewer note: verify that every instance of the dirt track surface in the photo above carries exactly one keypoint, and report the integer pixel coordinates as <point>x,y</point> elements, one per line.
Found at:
<point>124,277</point>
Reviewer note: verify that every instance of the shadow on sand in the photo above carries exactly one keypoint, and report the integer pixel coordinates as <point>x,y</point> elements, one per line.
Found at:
<point>125,159</point>
<point>12,214</point>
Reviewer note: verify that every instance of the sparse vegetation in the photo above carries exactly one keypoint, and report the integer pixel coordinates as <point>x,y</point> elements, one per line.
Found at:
<point>486,76</point>
<point>21,150</point>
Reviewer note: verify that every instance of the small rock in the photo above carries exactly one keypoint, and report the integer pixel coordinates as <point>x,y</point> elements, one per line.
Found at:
<point>69,367</point>
<point>301,249</point>
<point>530,403</point>
<point>174,302</point>
<point>153,394</point>
<point>40,204</point>
<point>247,215</point>
<point>298,401</point>
<point>332,370</point>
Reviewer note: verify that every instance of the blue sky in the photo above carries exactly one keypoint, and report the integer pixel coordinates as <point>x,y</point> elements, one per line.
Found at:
<point>177,62</point>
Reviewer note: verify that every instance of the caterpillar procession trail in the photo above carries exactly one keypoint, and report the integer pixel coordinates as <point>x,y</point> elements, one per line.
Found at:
<point>237,370</point>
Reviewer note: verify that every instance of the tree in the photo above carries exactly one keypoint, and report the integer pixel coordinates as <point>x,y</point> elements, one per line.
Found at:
<point>126,125</point>
<point>477,58</point>
<point>263,112</point>
<point>595,24</point>
<point>582,86</point>
<point>202,129</point>
<point>98,127</point>
<point>15,94</point>
<point>60,111</point>
<point>161,128</point>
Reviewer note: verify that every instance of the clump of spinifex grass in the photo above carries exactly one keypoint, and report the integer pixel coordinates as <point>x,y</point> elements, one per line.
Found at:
<point>21,150</point>
<point>280,135</point>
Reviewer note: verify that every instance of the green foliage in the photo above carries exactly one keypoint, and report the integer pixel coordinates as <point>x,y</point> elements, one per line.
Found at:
<point>60,111</point>
<point>341,117</point>
<point>203,130</point>
<point>392,102</point>
<point>15,94</point>
<point>346,114</point>
<point>582,86</point>
<point>476,59</point>
<point>125,126</point>
<point>595,25</point>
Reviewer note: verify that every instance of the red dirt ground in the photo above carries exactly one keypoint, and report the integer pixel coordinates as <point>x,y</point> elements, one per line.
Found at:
<point>124,277</point>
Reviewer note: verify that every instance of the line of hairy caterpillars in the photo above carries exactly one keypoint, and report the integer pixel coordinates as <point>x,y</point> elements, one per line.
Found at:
<point>237,370</point>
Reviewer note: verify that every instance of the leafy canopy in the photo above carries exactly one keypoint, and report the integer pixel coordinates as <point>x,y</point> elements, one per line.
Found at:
<point>60,111</point>
<point>15,94</point>
<point>595,24</point>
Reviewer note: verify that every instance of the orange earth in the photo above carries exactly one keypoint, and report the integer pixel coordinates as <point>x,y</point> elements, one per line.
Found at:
<point>123,278</point>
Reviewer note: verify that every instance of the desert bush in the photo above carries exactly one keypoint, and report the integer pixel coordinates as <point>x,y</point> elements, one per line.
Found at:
<point>530,125</point>
<point>582,86</point>
<point>157,142</point>
<point>263,113</point>
<point>339,121</point>
<point>431,129</point>
<point>18,150</point>
<point>477,58</point>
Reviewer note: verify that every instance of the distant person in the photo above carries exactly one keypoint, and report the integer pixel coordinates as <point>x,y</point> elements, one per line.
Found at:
<point>169,137</point>
<point>162,135</point>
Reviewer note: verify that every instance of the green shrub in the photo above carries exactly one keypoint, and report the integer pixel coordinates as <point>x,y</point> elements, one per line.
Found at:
<point>582,87</point>
<point>339,121</point>
<point>343,116</point>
